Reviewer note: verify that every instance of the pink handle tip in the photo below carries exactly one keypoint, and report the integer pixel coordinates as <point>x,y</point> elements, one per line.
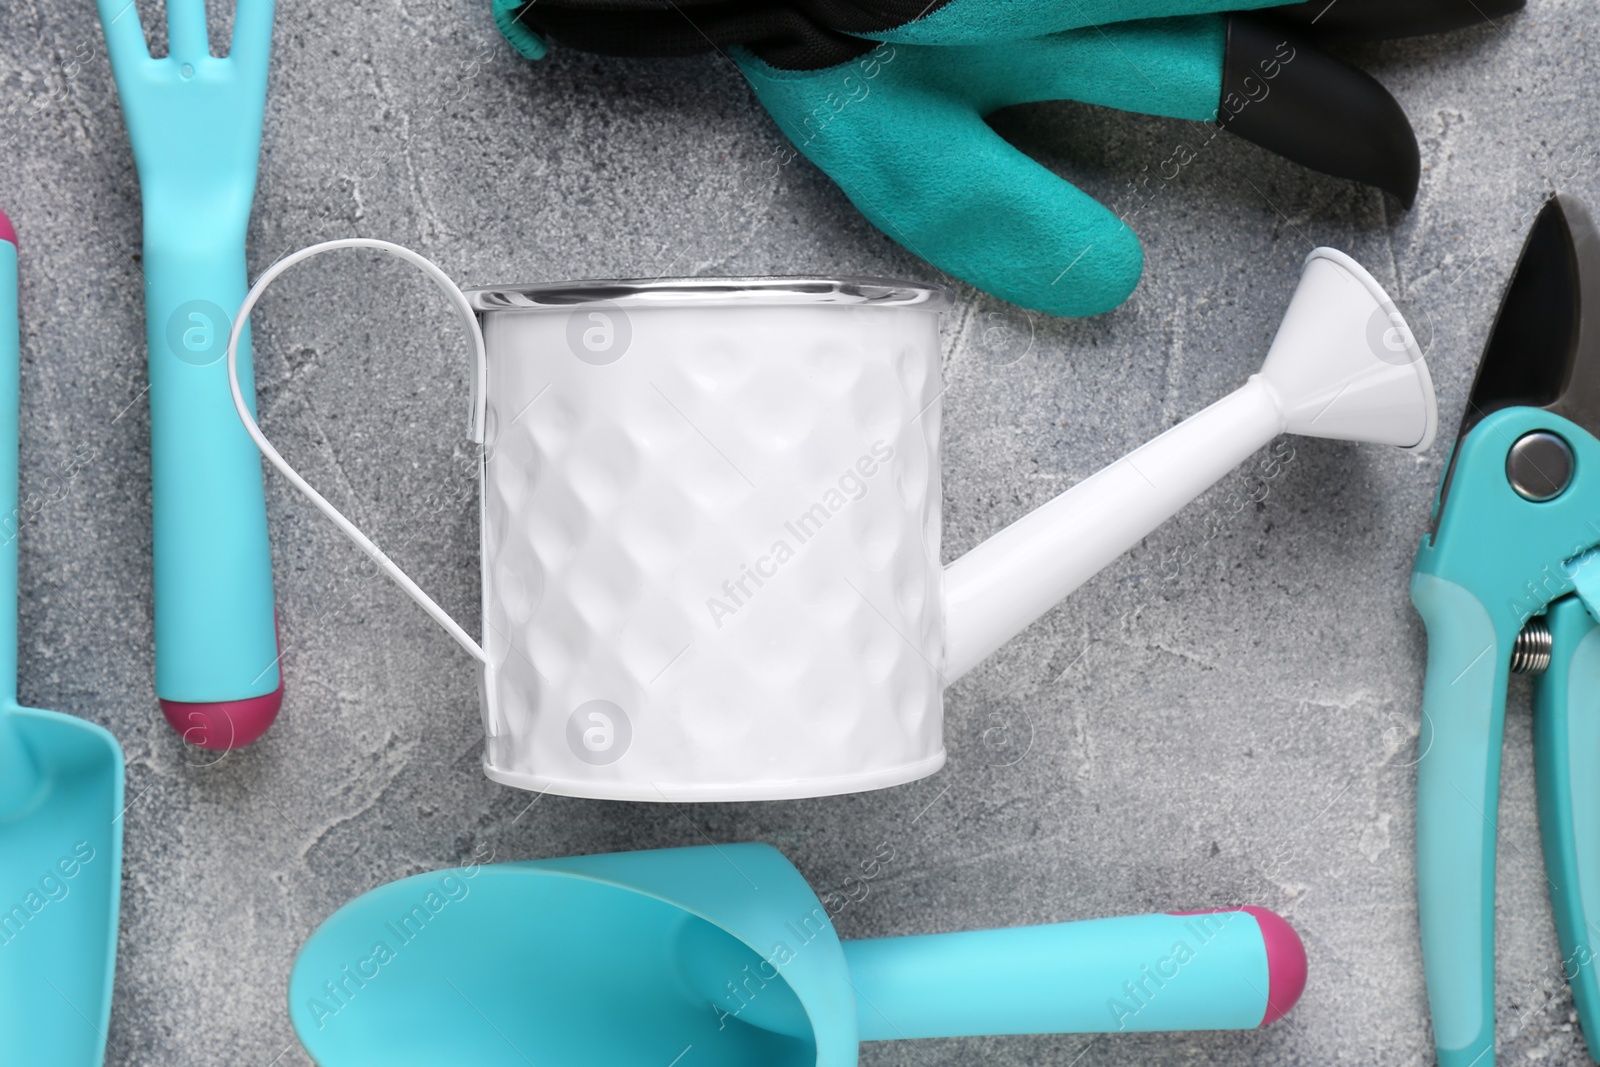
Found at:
<point>1286,963</point>
<point>7,231</point>
<point>224,724</point>
<point>220,725</point>
<point>1286,959</point>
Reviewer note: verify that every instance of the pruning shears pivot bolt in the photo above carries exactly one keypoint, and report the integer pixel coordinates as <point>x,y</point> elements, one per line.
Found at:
<point>1539,466</point>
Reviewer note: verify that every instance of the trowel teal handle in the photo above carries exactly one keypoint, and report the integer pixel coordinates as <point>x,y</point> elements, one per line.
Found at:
<point>19,773</point>
<point>1458,793</point>
<point>1227,970</point>
<point>10,520</point>
<point>1566,725</point>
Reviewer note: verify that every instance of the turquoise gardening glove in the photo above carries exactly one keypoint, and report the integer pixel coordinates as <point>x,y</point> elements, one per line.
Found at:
<point>889,99</point>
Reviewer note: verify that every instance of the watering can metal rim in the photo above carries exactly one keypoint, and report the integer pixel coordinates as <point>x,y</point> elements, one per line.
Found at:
<point>701,292</point>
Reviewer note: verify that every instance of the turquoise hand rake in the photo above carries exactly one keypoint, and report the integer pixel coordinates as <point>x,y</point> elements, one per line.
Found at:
<point>195,124</point>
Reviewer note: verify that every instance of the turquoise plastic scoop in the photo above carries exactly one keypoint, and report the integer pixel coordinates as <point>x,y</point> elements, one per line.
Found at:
<point>723,956</point>
<point>60,808</point>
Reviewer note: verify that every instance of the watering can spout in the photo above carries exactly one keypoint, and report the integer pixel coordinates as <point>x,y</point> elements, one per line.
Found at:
<point>1344,365</point>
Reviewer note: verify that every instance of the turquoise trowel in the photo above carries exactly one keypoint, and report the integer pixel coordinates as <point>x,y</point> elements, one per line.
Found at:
<point>60,813</point>
<point>724,957</point>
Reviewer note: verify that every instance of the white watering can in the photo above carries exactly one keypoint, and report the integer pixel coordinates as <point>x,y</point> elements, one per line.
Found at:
<point>710,518</point>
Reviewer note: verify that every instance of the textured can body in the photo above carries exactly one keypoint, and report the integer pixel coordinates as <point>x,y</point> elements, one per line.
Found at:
<point>711,548</point>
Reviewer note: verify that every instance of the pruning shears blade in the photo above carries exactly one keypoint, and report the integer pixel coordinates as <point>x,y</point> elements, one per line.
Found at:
<point>1544,348</point>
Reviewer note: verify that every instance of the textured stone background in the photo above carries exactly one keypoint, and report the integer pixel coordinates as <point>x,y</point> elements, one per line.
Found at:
<point>1241,732</point>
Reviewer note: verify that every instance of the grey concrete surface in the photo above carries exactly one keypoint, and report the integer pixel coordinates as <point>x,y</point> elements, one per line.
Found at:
<point>1236,728</point>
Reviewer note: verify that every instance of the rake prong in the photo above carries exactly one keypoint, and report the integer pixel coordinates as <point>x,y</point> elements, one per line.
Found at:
<point>252,33</point>
<point>124,35</point>
<point>187,41</point>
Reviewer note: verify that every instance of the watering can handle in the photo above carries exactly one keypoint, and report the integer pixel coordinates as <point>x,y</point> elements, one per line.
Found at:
<point>479,377</point>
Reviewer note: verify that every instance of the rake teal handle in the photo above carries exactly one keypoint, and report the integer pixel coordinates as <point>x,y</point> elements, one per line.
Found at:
<point>194,121</point>
<point>214,606</point>
<point>1458,796</point>
<point>1566,725</point>
<point>1227,970</point>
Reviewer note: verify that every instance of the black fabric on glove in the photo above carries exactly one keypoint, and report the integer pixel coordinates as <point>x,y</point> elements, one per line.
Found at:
<point>793,35</point>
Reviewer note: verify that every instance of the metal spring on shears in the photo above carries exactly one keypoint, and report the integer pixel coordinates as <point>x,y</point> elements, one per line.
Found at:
<point>1531,652</point>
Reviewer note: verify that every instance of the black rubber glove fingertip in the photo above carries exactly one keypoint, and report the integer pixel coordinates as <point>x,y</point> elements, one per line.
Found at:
<point>1338,21</point>
<point>1286,95</point>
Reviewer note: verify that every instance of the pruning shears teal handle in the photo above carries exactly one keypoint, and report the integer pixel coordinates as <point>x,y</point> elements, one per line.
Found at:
<point>194,120</point>
<point>1566,724</point>
<point>1458,930</point>
<point>1509,581</point>
<point>1463,717</point>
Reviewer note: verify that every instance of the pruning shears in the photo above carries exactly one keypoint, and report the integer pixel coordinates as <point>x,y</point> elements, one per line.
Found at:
<point>1508,581</point>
